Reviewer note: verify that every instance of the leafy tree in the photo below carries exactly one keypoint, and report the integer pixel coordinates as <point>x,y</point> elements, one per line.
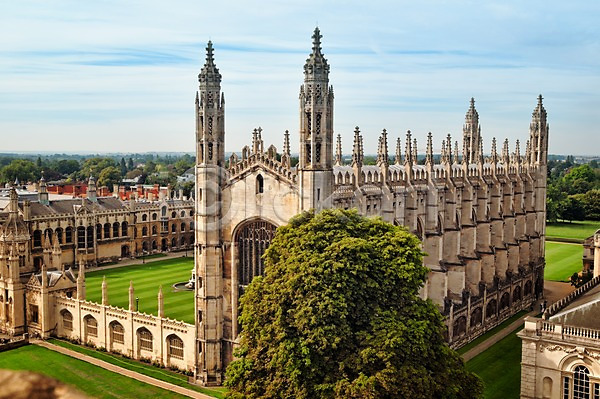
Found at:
<point>24,170</point>
<point>123,167</point>
<point>93,167</point>
<point>109,176</point>
<point>338,315</point>
<point>130,164</point>
<point>591,204</point>
<point>572,209</point>
<point>67,166</point>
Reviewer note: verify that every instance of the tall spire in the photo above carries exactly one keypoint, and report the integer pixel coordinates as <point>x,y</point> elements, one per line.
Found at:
<point>517,152</point>
<point>414,151</point>
<point>445,156</point>
<point>357,148</point>
<point>338,151</point>
<point>456,159</point>
<point>286,143</point>
<point>505,153</point>
<point>538,134</point>
<point>471,135</point>
<point>382,151</point>
<point>398,159</point>
<point>408,152</point>
<point>316,65</point>
<point>209,73</point>
<point>429,153</point>
<point>494,152</point>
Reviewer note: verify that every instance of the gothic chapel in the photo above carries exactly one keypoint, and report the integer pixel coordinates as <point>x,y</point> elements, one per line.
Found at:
<point>481,218</point>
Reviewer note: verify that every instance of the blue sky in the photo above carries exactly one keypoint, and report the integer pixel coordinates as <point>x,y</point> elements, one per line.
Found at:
<point>120,76</point>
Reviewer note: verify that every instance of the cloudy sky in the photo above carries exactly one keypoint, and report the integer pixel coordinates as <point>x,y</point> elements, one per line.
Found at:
<point>120,76</point>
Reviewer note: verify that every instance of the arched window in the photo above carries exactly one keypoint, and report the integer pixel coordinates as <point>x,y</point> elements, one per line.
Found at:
<point>106,230</point>
<point>174,347</point>
<point>504,301</point>
<point>182,227</point>
<point>163,211</point>
<point>173,214</point>
<point>253,239</point>
<point>91,326</point>
<point>99,231</point>
<point>69,235</point>
<point>81,237</point>
<point>144,218</point>
<point>144,231</point>
<point>117,333</point>
<point>460,326</point>
<point>145,246</point>
<point>490,309</point>
<point>154,216</point>
<point>173,228</point>
<point>476,316</point>
<point>182,241</point>
<point>260,184</point>
<point>116,229</point>
<point>191,213</point>
<point>59,235</point>
<point>37,238</point>
<point>153,230</point>
<point>154,246</point>
<point>528,286</point>
<point>67,320</point>
<point>90,236</point>
<point>581,383</point>
<point>517,294</point>
<point>124,229</point>
<point>144,339</point>
<point>173,243</point>
<point>182,214</point>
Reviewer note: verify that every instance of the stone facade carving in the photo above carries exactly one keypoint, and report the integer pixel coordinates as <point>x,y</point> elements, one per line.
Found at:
<point>481,218</point>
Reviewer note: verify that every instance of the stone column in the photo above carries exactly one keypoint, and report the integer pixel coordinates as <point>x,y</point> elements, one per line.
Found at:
<point>597,254</point>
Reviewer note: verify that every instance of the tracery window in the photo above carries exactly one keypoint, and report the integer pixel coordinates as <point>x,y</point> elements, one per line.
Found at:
<point>175,347</point>
<point>581,383</point>
<point>91,326</point>
<point>67,320</point>
<point>117,333</point>
<point>253,239</point>
<point>145,339</point>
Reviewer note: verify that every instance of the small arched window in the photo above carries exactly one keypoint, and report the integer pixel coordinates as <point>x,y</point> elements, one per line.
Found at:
<point>163,211</point>
<point>154,216</point>
<point>260,184</point>
<point>173,214</point>
<point>144,218</point>
<point>154,230</point>
<point>581,383</point>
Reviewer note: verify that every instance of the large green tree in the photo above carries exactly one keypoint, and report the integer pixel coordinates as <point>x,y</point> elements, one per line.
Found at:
<point>22,169</point>
<point>338,315</point>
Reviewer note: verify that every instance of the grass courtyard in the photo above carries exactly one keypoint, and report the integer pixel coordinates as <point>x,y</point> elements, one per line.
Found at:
<point>92,380</point>
<point>562,260</point>
<point>575,230</point>
<point>146,280</point>
<point>499,368</point>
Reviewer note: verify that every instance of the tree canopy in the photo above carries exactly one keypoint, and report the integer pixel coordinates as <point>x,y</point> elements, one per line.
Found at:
<point>337,315</point>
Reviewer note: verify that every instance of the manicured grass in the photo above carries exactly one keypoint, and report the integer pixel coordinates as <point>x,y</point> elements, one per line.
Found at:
<point>142,368</point>
<point>92,380</point>
<point>146,280</point>
<point>575,230</point>
<point>491,332</point>
<point>499,368</point>
<point>562,260</point>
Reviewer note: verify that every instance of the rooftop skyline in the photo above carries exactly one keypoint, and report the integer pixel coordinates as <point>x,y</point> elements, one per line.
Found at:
<point>113,77</point>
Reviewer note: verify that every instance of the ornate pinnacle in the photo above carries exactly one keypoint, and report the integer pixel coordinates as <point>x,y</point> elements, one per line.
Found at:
<point>382,151</point>
<point>286,142</point>
<point>456,151</point>
<point>517,152</point>
<point>209,72</point>
<point>317,41</point>
<point>414,151</point>
<point>408,156</point>
<point>338,151</point>
<point>357,148</point>
<point>398,151</point>
<point>429,154</point>
<point>505,152</point>
<point>449,148</point>
<point>494,151</point>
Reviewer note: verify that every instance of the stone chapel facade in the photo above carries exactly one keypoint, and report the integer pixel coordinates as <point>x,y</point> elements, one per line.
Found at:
<point>481,219</point>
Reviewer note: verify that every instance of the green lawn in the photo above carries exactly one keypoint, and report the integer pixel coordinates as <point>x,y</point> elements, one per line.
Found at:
<point>146,280</point>
<point>499,368</point>
<point>92,380</point>
<point>492,332</point>
<point>575,230</point>
<point>562,260</point>
<point>142,368</point>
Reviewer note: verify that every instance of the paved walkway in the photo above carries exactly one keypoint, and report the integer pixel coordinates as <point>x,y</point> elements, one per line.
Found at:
<point>553,291</point>
<point>120,370</point>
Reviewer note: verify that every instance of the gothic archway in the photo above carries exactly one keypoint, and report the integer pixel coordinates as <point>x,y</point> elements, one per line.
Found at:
<point>252,239</point>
